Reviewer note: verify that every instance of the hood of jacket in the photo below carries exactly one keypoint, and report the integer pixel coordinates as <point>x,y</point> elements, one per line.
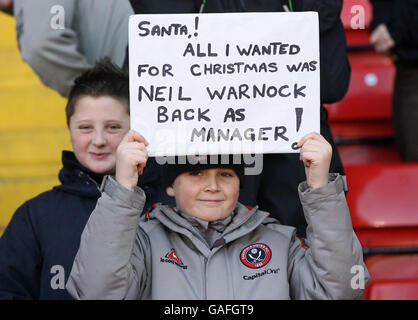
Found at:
<point>77,179</point>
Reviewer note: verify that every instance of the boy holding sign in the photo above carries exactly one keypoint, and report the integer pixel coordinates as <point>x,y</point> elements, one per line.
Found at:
<point>209,246</point>
<point>281,171</point>
<point>227,78</point>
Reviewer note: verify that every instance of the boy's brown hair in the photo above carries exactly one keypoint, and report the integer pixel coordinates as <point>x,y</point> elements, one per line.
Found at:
<point>103,79</point>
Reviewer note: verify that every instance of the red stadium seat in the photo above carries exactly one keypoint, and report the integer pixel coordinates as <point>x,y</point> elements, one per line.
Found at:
<point>393,277</point>
<point>356,16</point>
<point>383,201</point>
<point>350,9</point>
<point>383,191</point>
<point>372,152</point>
<point>402,289</point>
<point>366,110</point>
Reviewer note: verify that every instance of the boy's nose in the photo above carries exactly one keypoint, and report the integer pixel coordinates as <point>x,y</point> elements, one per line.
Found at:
<point>212,183</point>
<point>99,138</point>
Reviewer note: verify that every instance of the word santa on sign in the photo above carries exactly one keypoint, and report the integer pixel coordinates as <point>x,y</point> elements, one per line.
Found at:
<point>228,83</point>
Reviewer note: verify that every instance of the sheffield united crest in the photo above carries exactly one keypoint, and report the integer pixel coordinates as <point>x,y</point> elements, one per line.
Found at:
<point>256,255</point>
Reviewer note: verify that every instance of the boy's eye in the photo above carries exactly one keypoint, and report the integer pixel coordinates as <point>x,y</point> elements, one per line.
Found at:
<point>84,127</point>
<point>226,174</point>
<point>195,173</point>
<point>114,127</point>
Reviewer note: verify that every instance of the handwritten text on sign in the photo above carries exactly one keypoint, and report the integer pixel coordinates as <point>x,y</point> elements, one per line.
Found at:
<point>224,83</point>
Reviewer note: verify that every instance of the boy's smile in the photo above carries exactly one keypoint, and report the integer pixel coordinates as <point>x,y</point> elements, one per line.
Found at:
<point>209,194</point>
<point>99,155</point>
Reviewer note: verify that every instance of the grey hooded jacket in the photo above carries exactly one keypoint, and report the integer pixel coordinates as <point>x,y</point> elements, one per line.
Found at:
<point>60,39</point>
<point>254,257</point>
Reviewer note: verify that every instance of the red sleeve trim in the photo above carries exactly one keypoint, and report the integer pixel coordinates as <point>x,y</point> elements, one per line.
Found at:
<point>301,244</point>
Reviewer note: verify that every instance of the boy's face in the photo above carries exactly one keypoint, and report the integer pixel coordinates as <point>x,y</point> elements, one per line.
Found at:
<point>96,128</point>
<point>209,194</point>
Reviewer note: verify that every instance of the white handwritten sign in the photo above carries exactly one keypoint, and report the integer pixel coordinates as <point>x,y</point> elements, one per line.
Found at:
<point>224,83</point>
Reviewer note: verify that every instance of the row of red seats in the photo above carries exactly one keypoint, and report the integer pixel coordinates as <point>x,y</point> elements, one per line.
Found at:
<point>383,202</point>
<point>366,111</point>
<point>382,196</point>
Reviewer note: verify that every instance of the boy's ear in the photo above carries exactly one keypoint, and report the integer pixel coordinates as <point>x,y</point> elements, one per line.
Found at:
<point>170,190</point>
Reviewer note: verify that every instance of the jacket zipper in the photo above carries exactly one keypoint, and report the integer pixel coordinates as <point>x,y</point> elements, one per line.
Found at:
<point>205,294</point>
<point>95,183</point>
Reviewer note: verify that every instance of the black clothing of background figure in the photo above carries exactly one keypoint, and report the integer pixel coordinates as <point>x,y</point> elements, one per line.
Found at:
<point>399,20</point>
<point>275,189</point>
<point>47,230</point>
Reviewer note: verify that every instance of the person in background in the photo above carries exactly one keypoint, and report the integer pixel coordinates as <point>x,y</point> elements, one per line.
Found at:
<point>394,32</point>
<point>40,242</point>
<point>275,189</point>
<point>60,39</point>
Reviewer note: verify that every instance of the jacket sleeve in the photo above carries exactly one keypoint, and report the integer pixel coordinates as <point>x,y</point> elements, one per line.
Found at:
<point>329,11</point>
<point>328,267</point>
<point>20,258</point>
<point>46,45</point>
<point>399,18</point>
<point>107,266</point>
<point>382,12</point>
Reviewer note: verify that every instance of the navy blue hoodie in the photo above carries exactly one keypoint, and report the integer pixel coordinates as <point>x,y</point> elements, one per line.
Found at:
<point>38,246</point>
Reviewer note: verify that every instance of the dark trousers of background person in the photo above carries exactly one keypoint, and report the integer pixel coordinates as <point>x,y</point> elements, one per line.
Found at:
<point>275,188</point>
<point>405,111</point>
